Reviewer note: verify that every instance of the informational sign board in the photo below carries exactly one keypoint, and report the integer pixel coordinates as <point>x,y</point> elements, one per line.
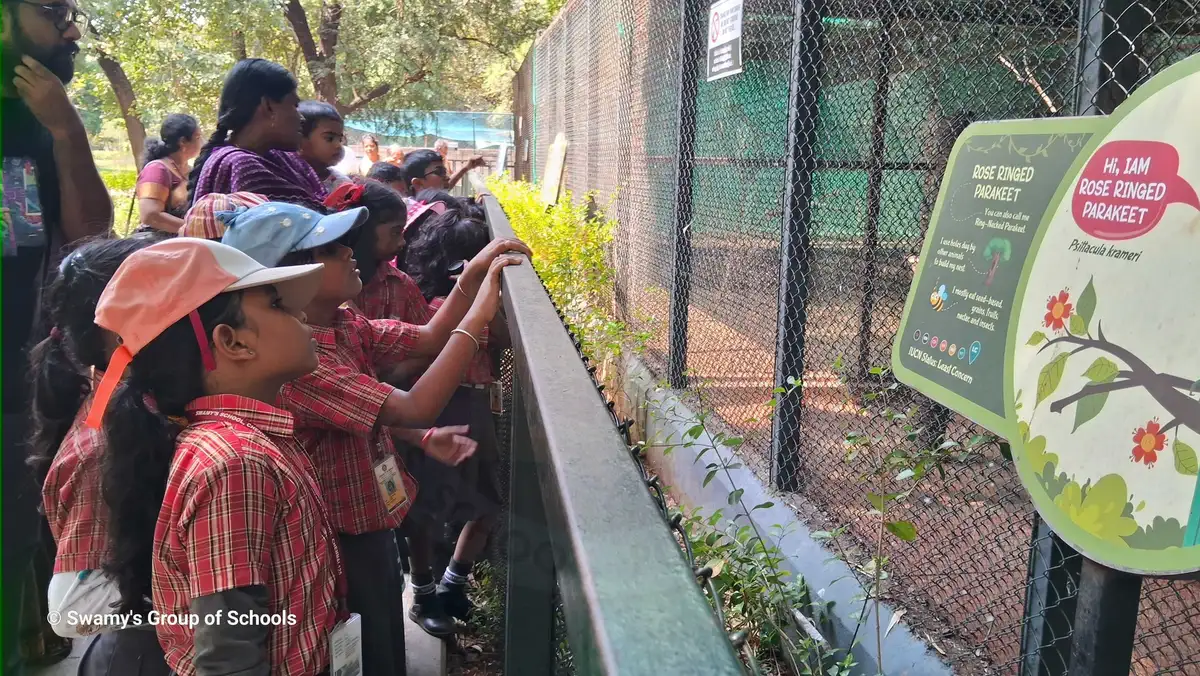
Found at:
<point>724,39</point>
<point>555,161</point>
<point>1053,305</point>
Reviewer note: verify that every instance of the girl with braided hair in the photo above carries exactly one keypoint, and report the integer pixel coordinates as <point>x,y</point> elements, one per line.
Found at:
<point>254,146</point>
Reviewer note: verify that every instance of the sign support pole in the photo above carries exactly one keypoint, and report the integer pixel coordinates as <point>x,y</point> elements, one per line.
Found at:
<point>1105,621</point>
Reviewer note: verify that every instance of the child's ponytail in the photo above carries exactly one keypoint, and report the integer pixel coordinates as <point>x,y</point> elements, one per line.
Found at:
<point>60,364</point>
<point>141,422</point>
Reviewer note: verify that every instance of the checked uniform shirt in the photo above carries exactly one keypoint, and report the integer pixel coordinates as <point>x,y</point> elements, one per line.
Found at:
<point>242,508</point>
<point>72,499</point>
<point>391,294</point>
<point>337,411</point>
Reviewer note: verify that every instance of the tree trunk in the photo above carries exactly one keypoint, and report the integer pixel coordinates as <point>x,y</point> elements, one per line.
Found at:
<point>320,65</point>
<point>322,59</point>
<point>127,100</point>
<point>239,45</point>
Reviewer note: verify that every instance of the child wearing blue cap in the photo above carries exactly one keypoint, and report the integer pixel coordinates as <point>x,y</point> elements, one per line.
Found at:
<point>345,414</point>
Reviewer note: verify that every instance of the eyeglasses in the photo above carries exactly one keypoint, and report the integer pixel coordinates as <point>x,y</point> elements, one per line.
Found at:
<point>63,15</point>
<point>438,171</point>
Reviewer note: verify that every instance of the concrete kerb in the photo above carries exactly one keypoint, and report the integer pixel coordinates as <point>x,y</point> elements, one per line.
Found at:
<point>831,581</point>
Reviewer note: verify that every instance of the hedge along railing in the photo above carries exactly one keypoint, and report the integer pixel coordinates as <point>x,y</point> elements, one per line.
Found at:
<point>580,517</point>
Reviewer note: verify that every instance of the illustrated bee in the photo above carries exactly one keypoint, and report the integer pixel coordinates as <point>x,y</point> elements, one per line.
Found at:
<point>938,298</point>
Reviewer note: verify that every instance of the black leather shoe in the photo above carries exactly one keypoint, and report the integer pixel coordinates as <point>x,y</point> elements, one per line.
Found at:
<point>455,602</point>
<point>428,614</point>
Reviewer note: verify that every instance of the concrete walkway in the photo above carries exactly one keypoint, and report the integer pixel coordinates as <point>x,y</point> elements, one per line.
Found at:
<point>426,655</point>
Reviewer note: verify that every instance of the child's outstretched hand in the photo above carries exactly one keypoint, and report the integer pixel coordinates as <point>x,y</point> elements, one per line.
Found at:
<point>487,301</point>
<point>475,270</point>
<point>450,445</point>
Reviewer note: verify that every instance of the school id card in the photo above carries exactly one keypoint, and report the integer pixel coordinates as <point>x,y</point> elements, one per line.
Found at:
<point>391,485</point>
<point>345,648</point>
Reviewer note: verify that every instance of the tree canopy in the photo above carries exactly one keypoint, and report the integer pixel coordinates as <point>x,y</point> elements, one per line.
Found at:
<point>142,61</point>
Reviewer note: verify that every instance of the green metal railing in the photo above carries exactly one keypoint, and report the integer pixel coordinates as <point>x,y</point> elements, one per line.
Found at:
<point>580,519</point>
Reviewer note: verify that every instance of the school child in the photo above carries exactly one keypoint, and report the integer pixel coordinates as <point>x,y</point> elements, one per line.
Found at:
<point>469,492</point>
<point>323,142</point>
<point>201,220</point>
<point>67,456</point>
<point>212,497</point>
<point>343,412</point>
<point>390,175</point>
<point>426,169</point>
<point>387,293</point>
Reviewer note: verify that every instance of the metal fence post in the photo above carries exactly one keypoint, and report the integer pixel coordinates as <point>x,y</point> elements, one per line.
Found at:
<point>795,246</point>
<point>690,35</point>
<point>1050,600</point>
<point>529,611</point>
<point>1110,32</point>
<point>876,158</point>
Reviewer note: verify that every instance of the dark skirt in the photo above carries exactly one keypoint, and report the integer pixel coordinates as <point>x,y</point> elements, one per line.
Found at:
<point>129,652</point>
<point>468,491</point>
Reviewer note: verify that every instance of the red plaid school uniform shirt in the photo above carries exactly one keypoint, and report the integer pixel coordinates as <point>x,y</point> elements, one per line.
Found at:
<point>337,414</point>
<point>480,370</point>
<point>242,508</point>
<point>72,499</point>
<point>391,294</point>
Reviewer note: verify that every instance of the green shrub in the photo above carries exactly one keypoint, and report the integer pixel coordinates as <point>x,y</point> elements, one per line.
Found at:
<point>571,255</point>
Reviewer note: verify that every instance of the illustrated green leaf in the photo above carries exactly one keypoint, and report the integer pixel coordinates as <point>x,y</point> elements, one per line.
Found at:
<point>1037,338</point>
<point>1102,370</point>
<point>1088,408</point>
<point>1185,458</point>
<point>1050,377</point>
<point>905,530</point>
<point>1086,306</point>
<point>1141,506</point>
<point>1079,325</point>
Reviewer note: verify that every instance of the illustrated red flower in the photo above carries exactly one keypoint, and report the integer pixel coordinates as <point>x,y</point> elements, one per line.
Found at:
<point>1058,311</point>
<point>1148,441</point>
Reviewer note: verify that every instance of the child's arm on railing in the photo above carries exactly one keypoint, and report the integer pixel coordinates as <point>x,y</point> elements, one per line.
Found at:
<point>421,405</point>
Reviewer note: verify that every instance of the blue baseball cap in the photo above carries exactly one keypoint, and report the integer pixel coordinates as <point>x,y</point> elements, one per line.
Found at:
<point>270,231</point>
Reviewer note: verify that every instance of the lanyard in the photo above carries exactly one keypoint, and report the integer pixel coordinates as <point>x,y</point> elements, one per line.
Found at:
<point>313,493</point>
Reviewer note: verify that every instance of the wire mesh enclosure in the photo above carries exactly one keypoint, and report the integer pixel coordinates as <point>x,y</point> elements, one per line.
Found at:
<point>769,228</point>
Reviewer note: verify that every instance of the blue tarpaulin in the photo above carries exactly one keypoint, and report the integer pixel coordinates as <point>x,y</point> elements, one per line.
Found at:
<point>421,128</point>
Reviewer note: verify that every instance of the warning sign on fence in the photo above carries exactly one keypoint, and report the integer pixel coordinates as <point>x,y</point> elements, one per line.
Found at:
<point>724,39</point>
<point>1053,305</point>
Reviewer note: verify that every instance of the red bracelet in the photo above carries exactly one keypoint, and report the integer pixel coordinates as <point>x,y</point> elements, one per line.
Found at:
<point>428,434</point>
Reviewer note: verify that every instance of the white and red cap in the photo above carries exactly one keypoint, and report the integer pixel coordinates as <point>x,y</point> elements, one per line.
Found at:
<point>163,283</point>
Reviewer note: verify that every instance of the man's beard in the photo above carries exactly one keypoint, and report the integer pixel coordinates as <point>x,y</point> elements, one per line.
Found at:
<point>59,60</point>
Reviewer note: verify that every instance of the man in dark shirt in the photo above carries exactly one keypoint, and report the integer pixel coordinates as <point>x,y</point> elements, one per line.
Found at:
<point>52,197</point>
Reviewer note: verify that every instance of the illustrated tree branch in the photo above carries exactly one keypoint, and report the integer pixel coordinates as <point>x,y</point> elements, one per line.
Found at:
<point>1163,387</point>
<point>1089,390</point>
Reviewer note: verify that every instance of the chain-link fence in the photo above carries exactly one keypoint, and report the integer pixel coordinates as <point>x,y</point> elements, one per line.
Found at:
<point>768,227</point>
